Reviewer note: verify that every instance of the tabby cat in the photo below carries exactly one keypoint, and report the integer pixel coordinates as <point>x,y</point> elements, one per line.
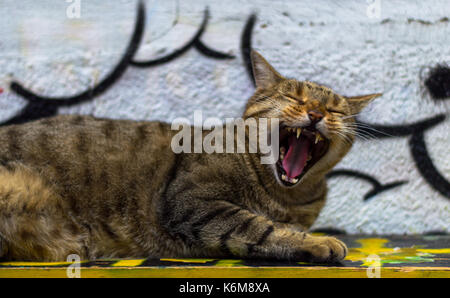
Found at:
<point>104,188</point>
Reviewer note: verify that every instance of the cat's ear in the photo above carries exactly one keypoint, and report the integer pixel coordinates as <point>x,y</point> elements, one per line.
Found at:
<point>357,103</point>
<point>263,73</point>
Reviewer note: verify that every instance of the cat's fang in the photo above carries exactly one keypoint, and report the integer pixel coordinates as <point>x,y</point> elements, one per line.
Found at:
<point>282,152</point>
<point>299,131</point>
<point>290,180</point>
<point>318,138</point>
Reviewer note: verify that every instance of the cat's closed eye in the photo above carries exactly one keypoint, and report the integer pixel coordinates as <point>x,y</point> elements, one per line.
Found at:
<point>337,112</point>
<point>294,98</point>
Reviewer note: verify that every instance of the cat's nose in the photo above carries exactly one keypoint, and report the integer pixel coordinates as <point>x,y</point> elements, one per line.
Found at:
<point>315,116</point>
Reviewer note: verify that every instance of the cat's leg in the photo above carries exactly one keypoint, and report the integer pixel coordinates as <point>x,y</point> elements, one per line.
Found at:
<point>33,223</point>
<point>3,248</point>
<point>219,228</point>
<point>289,226</point>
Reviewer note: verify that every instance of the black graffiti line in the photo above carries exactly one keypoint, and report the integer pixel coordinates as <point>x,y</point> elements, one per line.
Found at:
<point>246,46</point>
<point>417,146</point>
<point>377,187</point>
<point>426,166</point>
<point>194,42</point>
<point>41,106</point>
<point>207,51</point>
<point>33,111</point>
<point>386,131</point>
<point>107,82</point>
<point>438,82</point>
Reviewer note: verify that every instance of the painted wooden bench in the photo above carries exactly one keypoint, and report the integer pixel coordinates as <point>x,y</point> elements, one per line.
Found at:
<point>369,256</point>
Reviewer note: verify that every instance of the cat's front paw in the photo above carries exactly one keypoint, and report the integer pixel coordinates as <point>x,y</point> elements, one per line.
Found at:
<point>322,250</point>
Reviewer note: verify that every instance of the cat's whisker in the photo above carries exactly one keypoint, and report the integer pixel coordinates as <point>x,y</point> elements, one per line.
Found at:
<point>350,116</point>
<point>363,136</point>
<point>362,127</point>
<point>358,133</point>
<point>380,132</point>
<point>346,138</point>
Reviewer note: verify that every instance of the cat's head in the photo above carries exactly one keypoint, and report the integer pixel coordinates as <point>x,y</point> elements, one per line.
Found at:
<point>317,126</point>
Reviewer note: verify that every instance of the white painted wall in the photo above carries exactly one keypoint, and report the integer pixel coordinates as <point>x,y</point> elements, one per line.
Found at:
<point>337,44</point>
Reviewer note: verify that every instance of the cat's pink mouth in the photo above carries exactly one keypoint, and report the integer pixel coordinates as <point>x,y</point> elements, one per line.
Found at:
<point>300,149</point>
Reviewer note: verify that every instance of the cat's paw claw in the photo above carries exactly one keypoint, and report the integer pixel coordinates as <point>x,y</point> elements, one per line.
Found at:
<point>325,249</point>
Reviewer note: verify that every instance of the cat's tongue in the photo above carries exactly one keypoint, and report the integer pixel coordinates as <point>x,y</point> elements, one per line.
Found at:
<point>295,159</point>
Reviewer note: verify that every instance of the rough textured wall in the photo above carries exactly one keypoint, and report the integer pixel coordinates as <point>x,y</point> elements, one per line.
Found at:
<point>99,58</point>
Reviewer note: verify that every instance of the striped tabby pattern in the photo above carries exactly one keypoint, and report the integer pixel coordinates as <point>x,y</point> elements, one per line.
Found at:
<point>105,188</point>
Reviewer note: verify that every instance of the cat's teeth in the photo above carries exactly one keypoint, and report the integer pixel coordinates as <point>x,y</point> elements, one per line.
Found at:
<point>282,152</point>
<point>291,180</point>
<point>309,157</point>
<point>318,138</point>
<point>299,131</point>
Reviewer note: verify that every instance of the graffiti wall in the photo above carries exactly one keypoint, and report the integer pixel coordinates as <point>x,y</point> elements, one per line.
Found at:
<point>159,60</point>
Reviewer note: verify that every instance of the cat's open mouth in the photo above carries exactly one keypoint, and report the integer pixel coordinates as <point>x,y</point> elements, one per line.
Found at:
<point>300,149</point>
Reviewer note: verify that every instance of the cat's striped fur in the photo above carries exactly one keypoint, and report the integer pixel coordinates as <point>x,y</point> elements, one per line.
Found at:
<point>104,188</point>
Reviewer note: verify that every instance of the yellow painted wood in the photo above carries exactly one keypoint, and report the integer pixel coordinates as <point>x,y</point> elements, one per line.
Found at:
<point>37,264</point>
<point>230,272</point>
<point>376,247</point>
<point>434,250</point>
<point>188,260</point>
<point>228,263</point>
<point>128,263</point>
<point>357,263</point>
